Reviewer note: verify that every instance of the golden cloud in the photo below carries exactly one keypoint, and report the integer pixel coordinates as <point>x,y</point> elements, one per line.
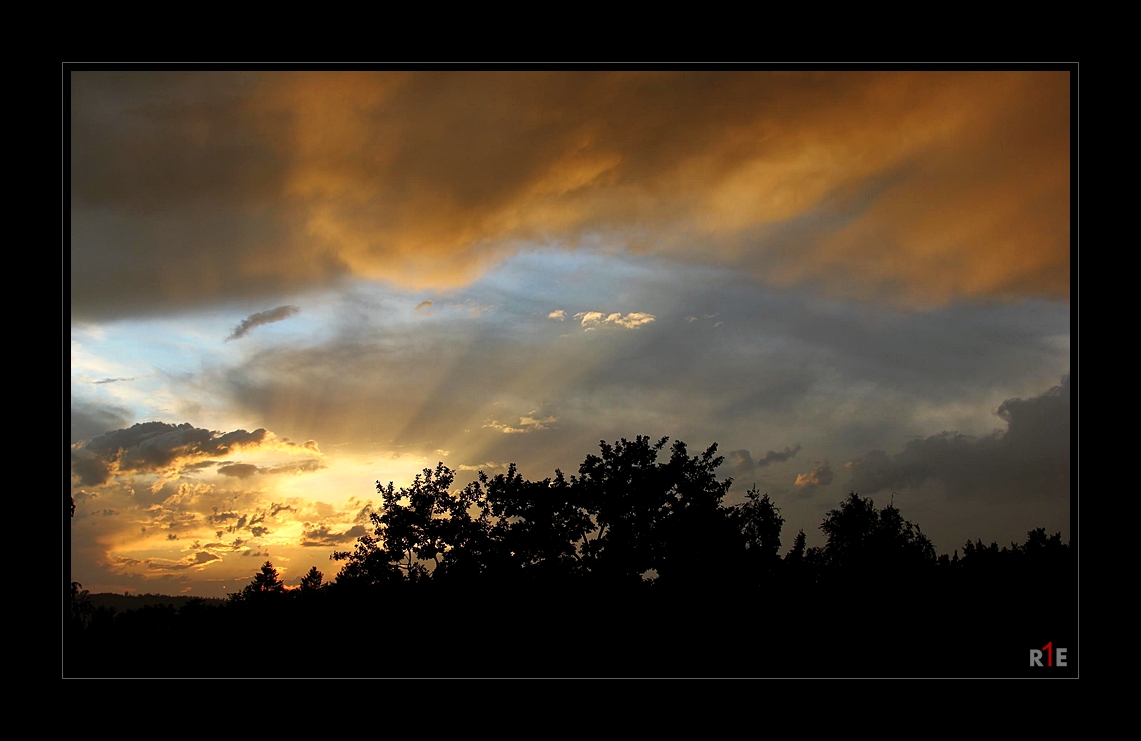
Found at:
<point>917,188</point>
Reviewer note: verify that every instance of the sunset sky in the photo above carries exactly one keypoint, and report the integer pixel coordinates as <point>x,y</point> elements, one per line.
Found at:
<point>288,286</point>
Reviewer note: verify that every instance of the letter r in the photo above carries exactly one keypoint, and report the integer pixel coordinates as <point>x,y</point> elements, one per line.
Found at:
<point>1035,657</point>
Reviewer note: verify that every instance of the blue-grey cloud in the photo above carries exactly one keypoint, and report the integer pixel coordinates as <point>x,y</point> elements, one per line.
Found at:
<point>1028,461</point>
<point>741,461</point>
<point>89,419</point>
<point>260,318</point>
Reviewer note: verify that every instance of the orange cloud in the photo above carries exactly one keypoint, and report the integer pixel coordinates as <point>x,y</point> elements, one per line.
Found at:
<point>912,188</point>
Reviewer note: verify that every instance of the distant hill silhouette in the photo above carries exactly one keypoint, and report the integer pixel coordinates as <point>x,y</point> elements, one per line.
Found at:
<point>123,603</point>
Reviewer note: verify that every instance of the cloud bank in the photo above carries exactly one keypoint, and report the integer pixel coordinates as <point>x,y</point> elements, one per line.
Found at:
<point>919,188</point>
<point>157,446</point>
<point>1029,461</point>
<point>741,461</point>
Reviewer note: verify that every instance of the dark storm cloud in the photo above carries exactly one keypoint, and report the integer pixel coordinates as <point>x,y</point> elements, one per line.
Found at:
<point>220,517</point>
<point>774,457</point>
<point>1028,461</point>
<point>246,470</point>
<point>151,445</point>
<point>188,187</point>
<point>792,342</point>
<point>90,469</point>
<point>322,537</point>
<point>88,419</point>
<point>781,347</point>
<point>156,446</point>
<point>741,461</point>
<point>260,318</point>
<point>200,465</point>
<point>238,470</point>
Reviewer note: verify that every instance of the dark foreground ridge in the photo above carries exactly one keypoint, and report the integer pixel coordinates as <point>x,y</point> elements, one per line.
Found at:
<point>634,567</point>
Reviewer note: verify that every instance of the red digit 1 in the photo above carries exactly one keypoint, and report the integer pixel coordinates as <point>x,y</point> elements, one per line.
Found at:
<point>1049,649</point>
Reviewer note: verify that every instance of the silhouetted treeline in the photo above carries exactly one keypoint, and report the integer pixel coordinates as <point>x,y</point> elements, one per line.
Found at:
<point>135,601</point>
<point>635,566</point>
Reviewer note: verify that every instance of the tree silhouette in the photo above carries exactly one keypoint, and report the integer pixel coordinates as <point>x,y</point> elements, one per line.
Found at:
<point>649,516</point>
<point>871,542</point>
<point>538,526</point>
<point>265,585</point>
<point>624,515</point>
<point>423,524</point>
<point>760,524</point>
<point>796,553</point>
<point>311,582</point>
<point>81,607</point>
<point>636,552</point>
